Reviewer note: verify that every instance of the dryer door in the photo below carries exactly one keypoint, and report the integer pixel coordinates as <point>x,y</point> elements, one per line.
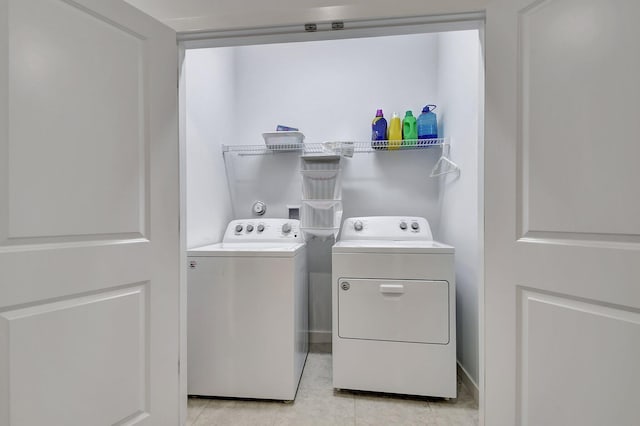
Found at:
<point>414,311</point>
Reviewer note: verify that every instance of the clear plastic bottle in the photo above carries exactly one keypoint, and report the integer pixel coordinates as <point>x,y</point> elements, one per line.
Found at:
<point>428,123</point>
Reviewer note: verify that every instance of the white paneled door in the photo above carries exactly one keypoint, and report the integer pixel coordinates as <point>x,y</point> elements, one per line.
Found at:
<point>89,246</point>
<point>562,186</point>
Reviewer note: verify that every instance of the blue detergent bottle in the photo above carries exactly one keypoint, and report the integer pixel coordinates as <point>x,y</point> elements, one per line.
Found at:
<point>378,131</point>
<point>428,123</point>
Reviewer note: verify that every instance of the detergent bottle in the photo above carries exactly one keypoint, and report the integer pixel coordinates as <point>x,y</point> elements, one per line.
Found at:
<point>428,123</point>
<point>378,130</point>
<point>395,132</point>
<point>409,129</point>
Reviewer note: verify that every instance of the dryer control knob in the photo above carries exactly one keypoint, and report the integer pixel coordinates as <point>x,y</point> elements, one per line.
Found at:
<point>403,225</point>
<point>238,228</point>
<point>357,225</point>
<point>415,226</point>
<point>260,228</point>
<point>249,228</point>
<point>286,228</point>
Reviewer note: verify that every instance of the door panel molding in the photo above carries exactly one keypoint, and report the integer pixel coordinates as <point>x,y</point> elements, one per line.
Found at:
<point>78,143</point>
<point>104,19</point>
<point>559,334</point>
<point>45,341</point>
<point>611,241</point>
<point>68,241</point>
<point>566,167</point>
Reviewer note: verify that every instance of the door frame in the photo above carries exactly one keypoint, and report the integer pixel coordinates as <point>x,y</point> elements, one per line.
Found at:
<point>182,157</point>
<point>296,33</point>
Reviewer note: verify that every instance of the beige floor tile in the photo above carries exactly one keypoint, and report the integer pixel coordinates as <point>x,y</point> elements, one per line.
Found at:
<point>374,409</point>
<point>194,409</point>
<point>318,372</point>
<point>460,411</point>
<point>317,404</point>
<point>318,407</point>
<point>238,413</point>
<point>451,420</point>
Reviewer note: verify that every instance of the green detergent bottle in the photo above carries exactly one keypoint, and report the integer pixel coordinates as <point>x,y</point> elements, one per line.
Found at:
<point>409,129</point>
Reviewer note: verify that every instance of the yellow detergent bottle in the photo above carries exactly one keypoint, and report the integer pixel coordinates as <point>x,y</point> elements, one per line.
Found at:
<point>395,132</point>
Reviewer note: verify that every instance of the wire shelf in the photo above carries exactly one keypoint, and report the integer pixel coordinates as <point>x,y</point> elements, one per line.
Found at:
<point>336,147</point>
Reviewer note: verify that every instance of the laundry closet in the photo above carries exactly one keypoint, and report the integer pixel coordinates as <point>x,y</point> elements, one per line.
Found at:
<point>330,90</point>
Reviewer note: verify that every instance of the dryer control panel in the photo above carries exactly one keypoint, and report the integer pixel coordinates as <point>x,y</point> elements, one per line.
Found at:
<point>263,230</point>
<point>388,228</point>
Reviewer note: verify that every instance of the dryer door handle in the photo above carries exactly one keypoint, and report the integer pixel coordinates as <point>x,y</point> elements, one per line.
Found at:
<point>392,288</point>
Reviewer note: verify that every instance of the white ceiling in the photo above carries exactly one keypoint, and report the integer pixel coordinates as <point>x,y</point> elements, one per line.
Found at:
<point>196,15</point>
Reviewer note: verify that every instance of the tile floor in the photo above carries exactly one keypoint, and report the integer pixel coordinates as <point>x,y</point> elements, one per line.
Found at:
<point>318,404</point>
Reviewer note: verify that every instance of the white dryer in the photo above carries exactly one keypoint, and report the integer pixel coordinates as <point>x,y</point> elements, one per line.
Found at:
<point>393,291</point>
<point>248,312</point>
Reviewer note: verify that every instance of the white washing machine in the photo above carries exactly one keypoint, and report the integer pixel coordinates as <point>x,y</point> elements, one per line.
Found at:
<point>393,291</point>
<point>248,312</point>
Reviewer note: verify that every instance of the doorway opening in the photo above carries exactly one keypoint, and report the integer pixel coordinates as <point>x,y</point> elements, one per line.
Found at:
<point>329,85</point>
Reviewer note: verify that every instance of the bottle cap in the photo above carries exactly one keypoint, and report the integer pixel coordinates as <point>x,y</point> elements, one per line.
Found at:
<point>379,113</point>
<point>408,113</point>
<point>428,108</point>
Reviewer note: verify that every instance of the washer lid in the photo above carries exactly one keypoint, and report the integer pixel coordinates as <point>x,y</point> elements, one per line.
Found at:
<point>247,250</point>
<point>391,247</point>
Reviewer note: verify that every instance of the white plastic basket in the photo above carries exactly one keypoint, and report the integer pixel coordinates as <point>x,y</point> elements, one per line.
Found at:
<point>319,162</point>
<point>321,184</point>
<point>321,214</point>
<point>283,140</point>
<point>322,233</point>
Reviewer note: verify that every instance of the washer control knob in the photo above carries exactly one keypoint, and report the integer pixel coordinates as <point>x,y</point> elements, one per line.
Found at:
<point>403,225</point>
<point>286,228</point>
<point>357,225</point>
<point>260,228</point>
<point>238,228</point>
<point>415,226</point>
<point>249,228</point>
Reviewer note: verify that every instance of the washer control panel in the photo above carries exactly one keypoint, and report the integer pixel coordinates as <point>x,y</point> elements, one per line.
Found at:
<point>393,228</point>
<point>263,230</point>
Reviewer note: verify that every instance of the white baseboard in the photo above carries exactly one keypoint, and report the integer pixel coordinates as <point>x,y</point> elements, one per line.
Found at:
<point>317,336</point>
<point>320,341</point>
<point>469,383</point>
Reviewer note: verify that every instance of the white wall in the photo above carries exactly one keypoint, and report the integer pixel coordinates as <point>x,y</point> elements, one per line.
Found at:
<point>194,15</point>
<point>209,95</point>
<point>331,90</point>
<point>459,89</point>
